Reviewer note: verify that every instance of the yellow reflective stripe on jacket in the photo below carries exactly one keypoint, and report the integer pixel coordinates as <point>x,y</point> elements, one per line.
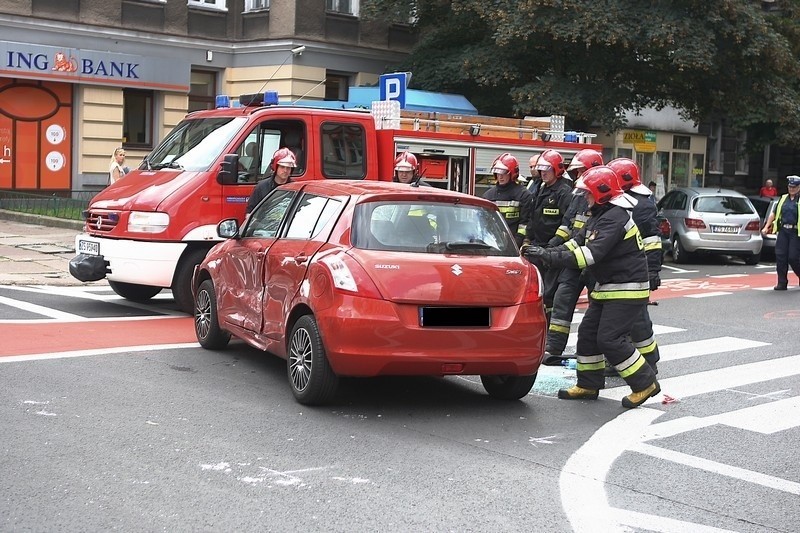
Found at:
<point>562,232</point>
<point>652,243</point>
<point>570,244</point>
<point>621,291</point>
<point>778,214</point>
<point>584,257</point>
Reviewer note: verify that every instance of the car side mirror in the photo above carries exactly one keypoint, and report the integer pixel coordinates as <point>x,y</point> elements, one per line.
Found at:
<point>229,171</point>
<point>228,228</point>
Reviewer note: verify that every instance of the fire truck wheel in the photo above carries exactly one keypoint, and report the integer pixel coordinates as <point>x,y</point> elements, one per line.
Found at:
<point>182,282</point>
<point>206,324</point>
<point>508,387</point>
<point>311,377</point>
<point>133,291</point>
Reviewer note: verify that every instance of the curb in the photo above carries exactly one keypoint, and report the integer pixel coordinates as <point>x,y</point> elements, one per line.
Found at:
<point>41,220</point>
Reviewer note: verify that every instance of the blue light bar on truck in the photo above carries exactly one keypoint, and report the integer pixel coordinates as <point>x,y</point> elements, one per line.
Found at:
<point>222,100</point>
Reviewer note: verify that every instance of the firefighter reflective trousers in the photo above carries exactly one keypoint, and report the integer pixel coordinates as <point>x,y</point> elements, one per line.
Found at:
<point>566,297</point>
<point>604,334</point>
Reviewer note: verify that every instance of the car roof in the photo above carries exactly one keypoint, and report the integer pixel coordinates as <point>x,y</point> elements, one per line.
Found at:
<point>709,191</point>
<point>369,190</point>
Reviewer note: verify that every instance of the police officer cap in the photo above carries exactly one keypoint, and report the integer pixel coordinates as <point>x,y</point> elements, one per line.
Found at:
<point>794,181</point>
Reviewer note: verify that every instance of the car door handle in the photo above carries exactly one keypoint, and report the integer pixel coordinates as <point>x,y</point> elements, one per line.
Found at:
<point>300,259</point>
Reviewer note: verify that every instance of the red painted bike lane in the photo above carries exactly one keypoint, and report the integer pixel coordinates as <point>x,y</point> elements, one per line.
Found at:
<point>50,337</point>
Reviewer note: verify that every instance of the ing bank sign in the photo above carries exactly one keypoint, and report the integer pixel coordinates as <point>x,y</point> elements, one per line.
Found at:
<point>90,66</point>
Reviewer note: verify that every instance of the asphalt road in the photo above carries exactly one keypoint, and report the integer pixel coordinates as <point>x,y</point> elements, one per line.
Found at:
<point>105,428</point>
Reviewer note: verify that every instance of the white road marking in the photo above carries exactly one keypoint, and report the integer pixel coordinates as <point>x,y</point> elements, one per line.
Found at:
<point>98,351</point>
<point>683,350</point>
<point>19,321</point>
<point>707,294</point>
<point>718,468</point>
<point>677,270</point>
<point>717,380</point>
<point>662,524</point>
<point>39,309</point>
<point>730,276</point>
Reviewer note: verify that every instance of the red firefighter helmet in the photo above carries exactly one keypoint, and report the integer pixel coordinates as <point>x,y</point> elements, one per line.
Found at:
<point>406,161</point>
<point>551,159</point>
<point>586,158</point>
<point>601,182</point>
<point>506,162</point>
<point>283,157</point>
<point>628,173</point>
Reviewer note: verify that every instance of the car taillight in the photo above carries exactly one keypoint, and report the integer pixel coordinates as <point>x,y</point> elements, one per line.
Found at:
<point>665,228</point>
<point>349,276</point>
<point>753,225</point>
<point>694,223</point>
<point>534,288</point>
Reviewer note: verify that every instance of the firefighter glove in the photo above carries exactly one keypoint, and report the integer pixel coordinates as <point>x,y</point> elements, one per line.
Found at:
<point>655,282</point>
<point>538,256</point>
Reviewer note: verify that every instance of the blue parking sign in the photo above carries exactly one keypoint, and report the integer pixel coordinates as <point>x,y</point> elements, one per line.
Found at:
<point>393,87</point>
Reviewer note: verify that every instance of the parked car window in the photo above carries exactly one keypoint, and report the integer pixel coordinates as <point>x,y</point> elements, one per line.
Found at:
<point>431,228</point>
<point>311,215</point>
<point>728,205</point>
<point>265,220</point>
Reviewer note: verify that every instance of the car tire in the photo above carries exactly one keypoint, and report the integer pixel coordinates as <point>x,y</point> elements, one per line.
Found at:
<point>182,282</point>
<point>679,253</point>
<point>752,259</point>
<point>311,377</point>
<point>508,387</point>
<point>133,291</point>
<point>206,321</point>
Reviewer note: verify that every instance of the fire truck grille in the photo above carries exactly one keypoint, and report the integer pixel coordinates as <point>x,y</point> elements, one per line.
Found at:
<point>101,221</point>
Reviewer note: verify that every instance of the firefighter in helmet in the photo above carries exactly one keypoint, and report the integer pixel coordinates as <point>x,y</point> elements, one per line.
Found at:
<point>512,199</point>
<point>645,215</point>
<point>570,281</point>
<point>283,161</point>
<point>548,207</point>
<point>406,169</point>
<point>613,252</point>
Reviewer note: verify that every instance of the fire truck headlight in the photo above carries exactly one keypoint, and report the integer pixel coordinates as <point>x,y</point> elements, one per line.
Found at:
<point>147,222</point>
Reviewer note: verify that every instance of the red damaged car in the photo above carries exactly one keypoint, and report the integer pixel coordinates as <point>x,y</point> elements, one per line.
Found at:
<point>358,278</point>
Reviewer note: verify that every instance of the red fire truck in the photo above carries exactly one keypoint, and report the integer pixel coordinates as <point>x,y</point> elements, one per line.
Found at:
<point>147,231</point>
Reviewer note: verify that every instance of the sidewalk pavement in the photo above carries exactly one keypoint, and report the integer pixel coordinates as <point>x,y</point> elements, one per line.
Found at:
<point>35,250</point>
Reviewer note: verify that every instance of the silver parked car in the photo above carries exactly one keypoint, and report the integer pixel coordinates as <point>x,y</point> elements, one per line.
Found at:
<point>765,205</point>
<point>714,221</point>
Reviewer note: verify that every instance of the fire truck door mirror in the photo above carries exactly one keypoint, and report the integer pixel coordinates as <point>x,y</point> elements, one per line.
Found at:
<point>229,171</point>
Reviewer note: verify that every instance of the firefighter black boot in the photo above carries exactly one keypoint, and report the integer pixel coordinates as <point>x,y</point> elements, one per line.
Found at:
<point>635,399</point>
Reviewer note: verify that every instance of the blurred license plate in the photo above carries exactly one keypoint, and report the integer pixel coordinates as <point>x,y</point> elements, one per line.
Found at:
<point>724,229</point>
<point>89,247</point>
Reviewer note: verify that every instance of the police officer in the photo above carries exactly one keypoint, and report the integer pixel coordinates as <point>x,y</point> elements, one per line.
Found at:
<point>547,210</point>
<point>645,215</point>
<point>784,222</point>
<point>512,199</point>
<point>613,251</point>
<point>283,161</point>
<point>569,284</point>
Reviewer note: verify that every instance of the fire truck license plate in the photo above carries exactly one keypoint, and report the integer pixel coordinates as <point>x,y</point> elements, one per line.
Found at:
<point>89,247</point>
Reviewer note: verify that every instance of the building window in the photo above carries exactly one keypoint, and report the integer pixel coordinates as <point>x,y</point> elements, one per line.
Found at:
<point>202,90</point>
<point>345,7</point>
<point>681,142</point>
<point>715,148</point>
<point>256,5</point>
<point>213,4</point>
<point>741,154</point>
<point>137,119</point>
<point>337,86</point>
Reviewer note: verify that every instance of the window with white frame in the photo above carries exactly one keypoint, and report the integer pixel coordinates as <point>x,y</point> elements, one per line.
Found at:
<point>256,5</point>
<point>347,7</point>
<point>213,4</point>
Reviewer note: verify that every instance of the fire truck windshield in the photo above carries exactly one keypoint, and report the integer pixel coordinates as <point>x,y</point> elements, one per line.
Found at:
<point>194,144</point>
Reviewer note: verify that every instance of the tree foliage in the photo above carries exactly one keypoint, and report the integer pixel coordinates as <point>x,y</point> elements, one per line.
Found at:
<point>594,60</point>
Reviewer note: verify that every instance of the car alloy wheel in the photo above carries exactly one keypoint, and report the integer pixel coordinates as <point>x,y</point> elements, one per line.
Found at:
<point>312,380</point>
<point>206,323</point>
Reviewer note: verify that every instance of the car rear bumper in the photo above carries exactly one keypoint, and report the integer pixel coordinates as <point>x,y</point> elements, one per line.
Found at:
<point>694,242</point>
<point>366,337</point>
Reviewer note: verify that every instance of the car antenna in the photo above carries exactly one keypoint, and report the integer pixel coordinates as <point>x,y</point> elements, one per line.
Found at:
<point>419,178</point>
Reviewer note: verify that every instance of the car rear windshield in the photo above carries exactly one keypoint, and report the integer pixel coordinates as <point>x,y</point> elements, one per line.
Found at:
<point>431,227</point>
<point>729,205</point>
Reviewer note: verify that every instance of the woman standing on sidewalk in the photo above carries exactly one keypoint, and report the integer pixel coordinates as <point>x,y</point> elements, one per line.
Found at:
<point>117,169</point>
